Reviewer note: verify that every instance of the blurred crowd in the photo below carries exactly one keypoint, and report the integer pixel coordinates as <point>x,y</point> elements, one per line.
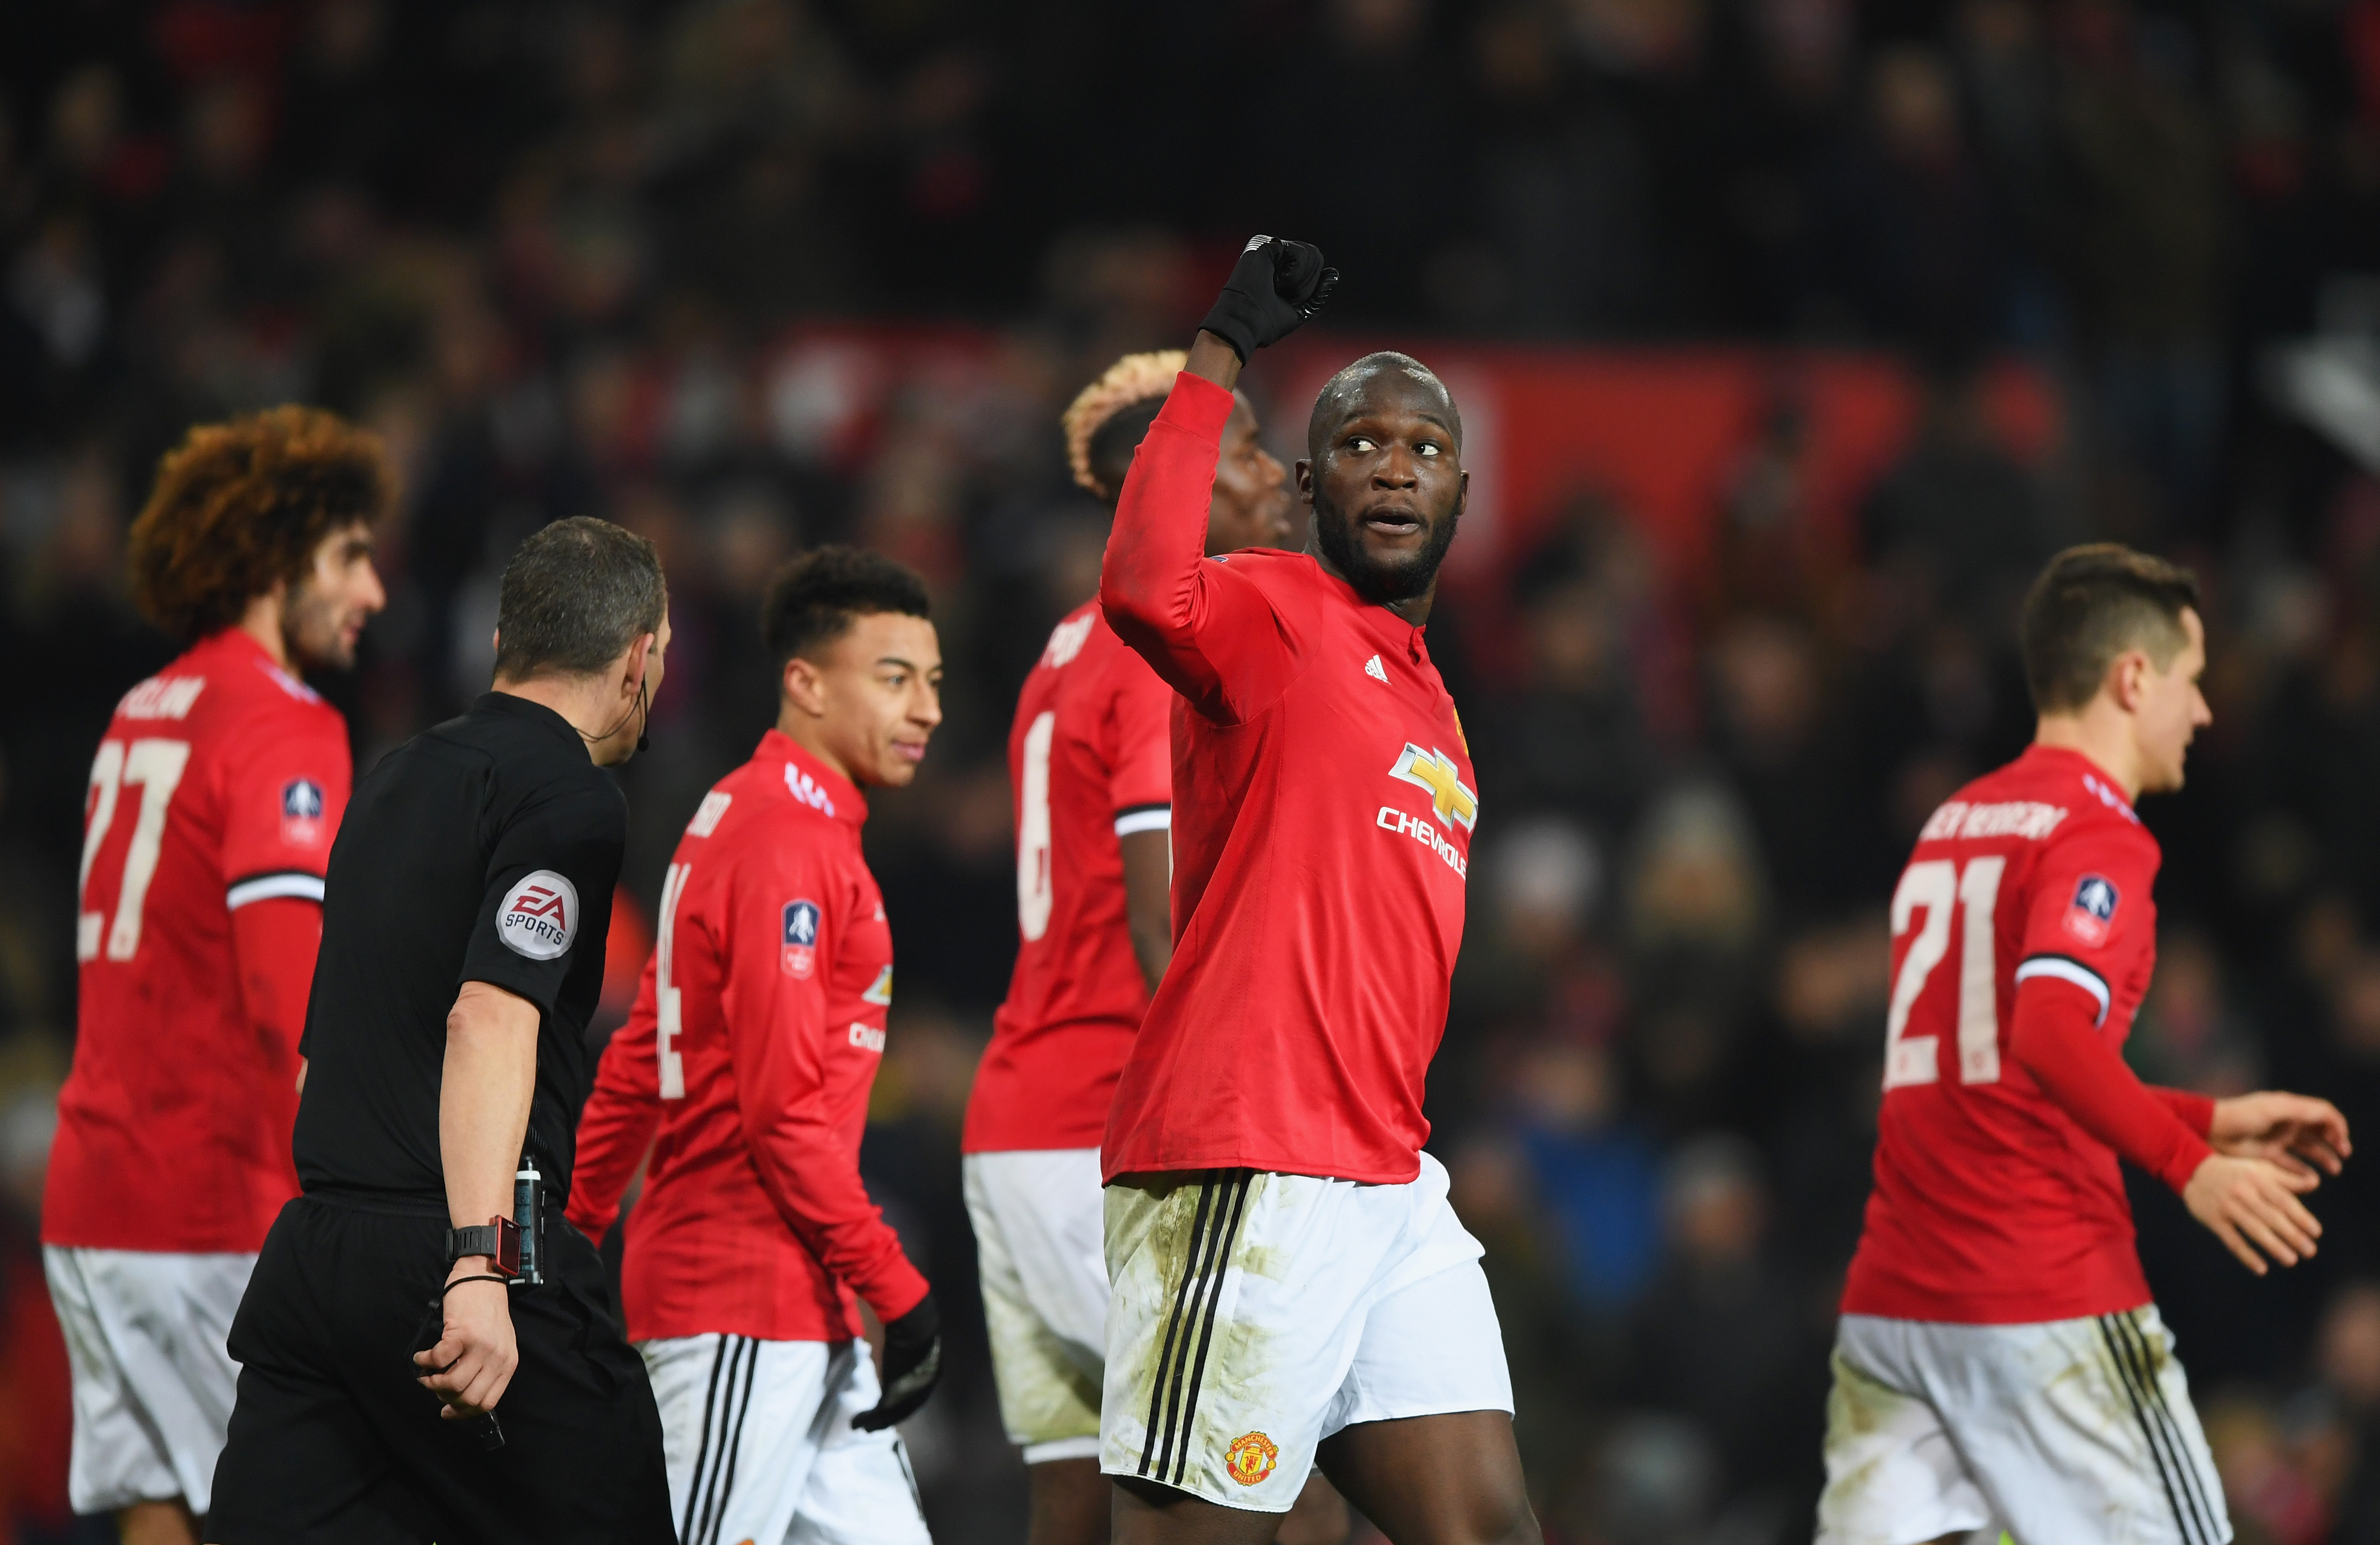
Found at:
<point>748,275</point>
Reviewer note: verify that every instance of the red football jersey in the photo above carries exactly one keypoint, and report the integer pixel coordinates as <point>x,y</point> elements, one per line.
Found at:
<point>214,799</point>
<point>753,1046</point>
<point>1992,1204</point>
<point>1323,803</point>
<point>1089,761</point>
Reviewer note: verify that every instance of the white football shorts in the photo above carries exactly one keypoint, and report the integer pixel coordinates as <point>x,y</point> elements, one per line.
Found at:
<point>1255,1315</point>
<point>2068,1430</point>
<point>153,1382</point>
<point>1044,1294</point>
<point>759,1445</point>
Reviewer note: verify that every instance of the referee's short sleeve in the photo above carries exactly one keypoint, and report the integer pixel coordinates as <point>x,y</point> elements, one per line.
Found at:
<point>552,865</point>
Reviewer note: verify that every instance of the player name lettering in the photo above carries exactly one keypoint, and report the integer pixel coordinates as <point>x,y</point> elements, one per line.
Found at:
<point>161,698</point>
<point>1391,819</point>
<point>2021,817</point>
<point>1066,640</point>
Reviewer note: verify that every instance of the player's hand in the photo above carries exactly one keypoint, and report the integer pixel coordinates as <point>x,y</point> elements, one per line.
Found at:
<point>2252,1205</point>
<point>2295,1131</point>
<point>912,1362</point>
<point>474,1359</point>
<point>1275,288</point>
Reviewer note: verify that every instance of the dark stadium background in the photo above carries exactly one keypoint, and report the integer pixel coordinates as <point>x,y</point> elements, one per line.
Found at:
<point>1793,334</point>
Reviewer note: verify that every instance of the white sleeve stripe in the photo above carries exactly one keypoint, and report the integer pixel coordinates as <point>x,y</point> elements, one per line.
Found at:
<point>1148,819</point>
<point>268,887</point>
<point>2064,969</point>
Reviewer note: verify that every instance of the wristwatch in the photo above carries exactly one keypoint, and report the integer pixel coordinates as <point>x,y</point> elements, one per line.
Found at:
<point>499,1240</point>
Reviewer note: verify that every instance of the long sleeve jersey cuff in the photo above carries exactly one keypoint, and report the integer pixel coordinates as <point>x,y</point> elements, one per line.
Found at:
<point>899,1288</point>
<point>2055,1036</point>
<point>2196,1111</point>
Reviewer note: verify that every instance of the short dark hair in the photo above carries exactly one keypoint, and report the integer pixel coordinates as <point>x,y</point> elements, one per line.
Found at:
<point>1331,404</point>
<point>1112,443</point>
<point>241,505</point>
<point>814,600</point>
<point>2089,605</point>
<point>576,595</point>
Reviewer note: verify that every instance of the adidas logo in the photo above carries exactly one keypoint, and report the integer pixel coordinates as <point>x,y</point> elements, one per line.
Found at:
<point>1372,668</point>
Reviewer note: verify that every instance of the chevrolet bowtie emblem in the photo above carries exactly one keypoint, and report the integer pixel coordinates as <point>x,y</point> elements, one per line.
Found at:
<point>1434,770</point>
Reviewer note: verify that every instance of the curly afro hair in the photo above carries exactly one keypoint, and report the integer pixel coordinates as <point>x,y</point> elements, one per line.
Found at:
<point>240,506</point>
<point>1134,381</point>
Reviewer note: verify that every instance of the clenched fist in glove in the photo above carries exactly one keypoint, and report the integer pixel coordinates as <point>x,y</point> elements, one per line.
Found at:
<point>1275,286</point>
<point>912,1362</point>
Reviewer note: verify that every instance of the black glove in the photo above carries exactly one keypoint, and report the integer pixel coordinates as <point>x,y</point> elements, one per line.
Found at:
<point>912,1362</point>
<point>1277,285</point>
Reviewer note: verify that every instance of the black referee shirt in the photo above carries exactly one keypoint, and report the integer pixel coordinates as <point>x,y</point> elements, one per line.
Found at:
<point>482,850</point>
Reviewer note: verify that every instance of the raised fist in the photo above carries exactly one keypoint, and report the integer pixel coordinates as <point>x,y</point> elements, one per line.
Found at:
<point>1275,288</point>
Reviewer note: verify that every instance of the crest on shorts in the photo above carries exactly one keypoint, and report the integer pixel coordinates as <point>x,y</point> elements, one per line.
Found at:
<point>2092,916</point>
<point>801,939</point>
<point>1251,1458</point>
<point>301,812</point>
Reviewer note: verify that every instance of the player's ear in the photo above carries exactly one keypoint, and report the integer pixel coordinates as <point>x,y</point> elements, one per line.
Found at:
<point>637,661</point>
<point>2127,677</point>
<point>801,685</point>
<point>1304,469</point>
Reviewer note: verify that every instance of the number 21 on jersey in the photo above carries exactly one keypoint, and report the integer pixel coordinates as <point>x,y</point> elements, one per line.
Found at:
<point>157,766</point>
<point>1938,888</point>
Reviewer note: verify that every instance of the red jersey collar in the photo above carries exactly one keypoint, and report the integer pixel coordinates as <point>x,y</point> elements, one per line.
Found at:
<point>812,781</point>
<point>2095,777</point>
<point>1387,620</point>
<point>237,641</point>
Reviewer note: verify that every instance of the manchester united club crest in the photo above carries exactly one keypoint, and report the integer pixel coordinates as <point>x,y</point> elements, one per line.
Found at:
<point>2092,916</point>
<point>301,812</point>
<point>1250,1457</point>
<point>801,939</point>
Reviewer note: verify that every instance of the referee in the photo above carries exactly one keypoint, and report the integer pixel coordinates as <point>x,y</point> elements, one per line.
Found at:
<point>394,1385</point>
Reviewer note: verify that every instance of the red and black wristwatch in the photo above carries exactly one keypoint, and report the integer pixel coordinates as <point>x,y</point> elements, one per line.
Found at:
<point>499,1240</point>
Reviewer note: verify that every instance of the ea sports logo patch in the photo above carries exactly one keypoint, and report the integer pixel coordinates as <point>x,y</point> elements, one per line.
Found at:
<point>301,812</point>
<point>2092,916</point>
<point>1251,1458</point>
<point>801,939</point>
<point>540,916</point>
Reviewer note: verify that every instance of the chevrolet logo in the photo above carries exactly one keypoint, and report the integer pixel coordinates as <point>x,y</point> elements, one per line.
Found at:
<point>1434,770</point>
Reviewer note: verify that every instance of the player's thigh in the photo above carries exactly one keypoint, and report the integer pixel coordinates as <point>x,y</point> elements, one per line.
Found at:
<point>1429,1348</point>
<point>1448,1479</point>
<point>1426,1415</point>
<point>1037,1223</point>
<point>1893,1474</point>
<point>861,1488</point>
<point>741,1421</point>
<point>2082,1428</point>
<point>1218,1376</point>
<point>1046,1208</point>
<point>117,1457</point>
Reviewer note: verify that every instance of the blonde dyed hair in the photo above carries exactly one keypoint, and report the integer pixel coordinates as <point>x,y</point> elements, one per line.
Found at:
<point>1135,378</point>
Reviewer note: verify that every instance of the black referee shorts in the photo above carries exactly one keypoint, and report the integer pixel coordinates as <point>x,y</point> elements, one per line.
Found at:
<point>332,1440</point>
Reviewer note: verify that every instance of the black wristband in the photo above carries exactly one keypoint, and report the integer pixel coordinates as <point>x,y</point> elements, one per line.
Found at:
<point>504,1281</point>
<point>498,1239</point>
